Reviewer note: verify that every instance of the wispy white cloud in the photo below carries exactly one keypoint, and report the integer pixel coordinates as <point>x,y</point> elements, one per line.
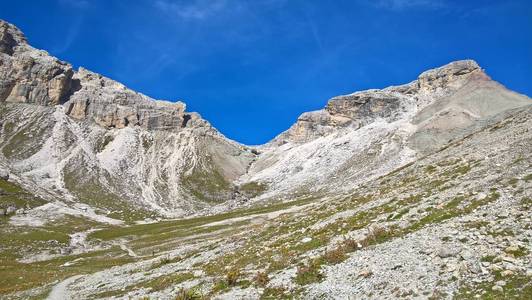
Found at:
<point>191,10</point>
<point>71,36</point>
<point>74,27</point>
<point>409,4</point>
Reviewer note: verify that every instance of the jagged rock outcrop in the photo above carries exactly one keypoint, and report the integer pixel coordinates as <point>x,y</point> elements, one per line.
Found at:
<point>361,108</point>
<point>81,136</point>
<point>32,76</point>
<point>28,75</point>
<point>363,135</point>
<point>112,105</point>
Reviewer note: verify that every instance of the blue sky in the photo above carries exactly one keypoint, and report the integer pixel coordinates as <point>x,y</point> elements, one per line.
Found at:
<point>251,67</point>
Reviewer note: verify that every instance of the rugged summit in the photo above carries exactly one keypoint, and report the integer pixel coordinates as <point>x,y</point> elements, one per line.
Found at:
<point>81,136</point>
<point>366,134</point>
<point>414,191</point>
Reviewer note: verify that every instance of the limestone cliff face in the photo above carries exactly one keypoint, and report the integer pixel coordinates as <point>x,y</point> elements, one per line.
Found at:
<point>112,105</point>
<point>360,108</point>
<point>366,134</point>
<point>74,134</point>
<point>28,75</point>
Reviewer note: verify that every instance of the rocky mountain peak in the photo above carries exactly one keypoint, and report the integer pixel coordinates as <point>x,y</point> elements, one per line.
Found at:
<point>363,107</point>
<point>455,68</point>
<point>10,37</point>
<point>32,76</point>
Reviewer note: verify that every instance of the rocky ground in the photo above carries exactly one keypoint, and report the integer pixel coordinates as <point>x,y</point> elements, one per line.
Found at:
<point>455,224</point>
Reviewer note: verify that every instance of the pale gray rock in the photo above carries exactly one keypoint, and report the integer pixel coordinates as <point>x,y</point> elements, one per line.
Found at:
<point>4,174</point>
<point>445,252</point>
<point>11,209</point>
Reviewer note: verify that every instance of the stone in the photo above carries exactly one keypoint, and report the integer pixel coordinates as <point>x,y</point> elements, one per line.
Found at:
<point>445,252</point>
<point>474,267</point>
<point>511,249</point>
<point>497,288</point>
<point>507,273</point>
<point>529,272</point>
<point>365,273</point>
<point>11,209</point>
<point>4,174</point>
<point>2,212</point>
<point>65,251</point>
<point>500,283</point>
<point>306,240</point>
<point>495,268</point>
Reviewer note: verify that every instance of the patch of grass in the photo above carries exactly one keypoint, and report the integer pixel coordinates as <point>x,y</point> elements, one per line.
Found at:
<point>16,195</point>
<point>232,277</point>
<point>189,294</point>
<point>519,252</point>
<point>488,258</point>
<point>309,273</point>
<point>528,177</point>
<point>15,276</point>
<point>516,287</point>
<point>378,234</point>
<point>398,215</point>
<point>253,189</point>
<point>513,181</point>
<point>430,169</point>
<point>207,185</point>
<point>451,210</point>
<point>335,256</point>
<point>156,229</point>
<point>89,190</point>
<point>163,282</point>
<point>27,140</point>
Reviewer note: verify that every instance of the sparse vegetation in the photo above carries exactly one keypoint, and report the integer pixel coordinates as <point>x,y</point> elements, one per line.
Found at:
<point>261,279</point>
<point>232,277</point>
<point>309,272</point>
<point>253,189</point>
<point>188,294</point>
<point>335,256</point>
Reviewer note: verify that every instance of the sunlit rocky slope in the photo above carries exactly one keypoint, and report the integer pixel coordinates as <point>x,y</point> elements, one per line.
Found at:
<point>419,191</point>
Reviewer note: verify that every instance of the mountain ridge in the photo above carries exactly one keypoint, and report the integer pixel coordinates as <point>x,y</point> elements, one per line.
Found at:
<point>414,191</point>
<point>153,155</point>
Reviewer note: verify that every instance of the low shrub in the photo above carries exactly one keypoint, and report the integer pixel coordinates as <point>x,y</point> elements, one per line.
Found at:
<point>261,279</point>
<point>232,276</point>
<point>188,294</point>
